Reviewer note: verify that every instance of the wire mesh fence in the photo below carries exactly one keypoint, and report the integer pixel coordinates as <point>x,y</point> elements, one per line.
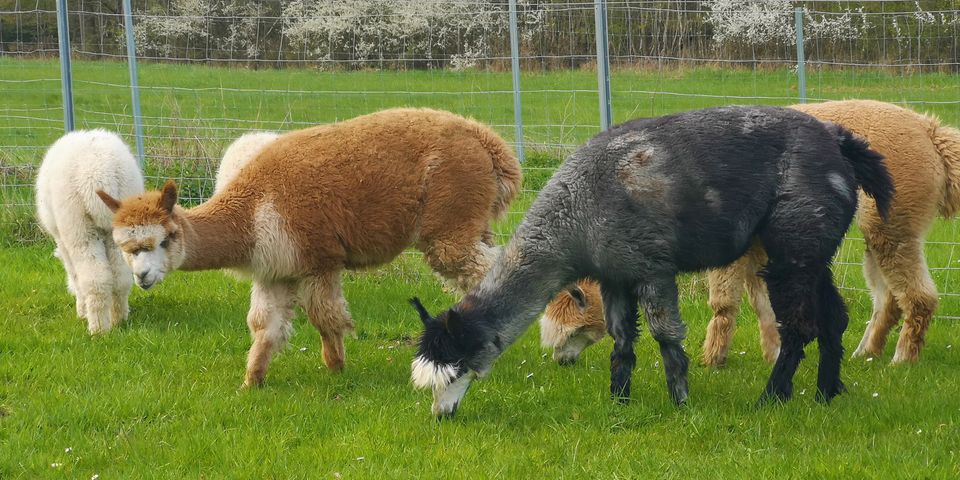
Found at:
<point>211,70</point>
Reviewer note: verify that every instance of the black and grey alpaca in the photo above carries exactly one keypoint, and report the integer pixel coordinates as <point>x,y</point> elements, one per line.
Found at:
<point>651,198</point>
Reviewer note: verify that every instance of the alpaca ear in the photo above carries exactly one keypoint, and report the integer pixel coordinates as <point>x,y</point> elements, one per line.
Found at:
<point>579,298</point>
<point>112,203</point>
<point>168,196</point>
<point>424,315</point>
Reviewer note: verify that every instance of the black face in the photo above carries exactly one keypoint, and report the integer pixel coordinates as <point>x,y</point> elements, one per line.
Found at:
<point>444,341</point>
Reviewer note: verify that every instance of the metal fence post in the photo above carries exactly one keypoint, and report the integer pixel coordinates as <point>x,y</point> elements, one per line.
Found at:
<point>515,69</point>
<point>603,64</point>
<point>801,58</point>
<point>134,85</point>
<point>66,74</point>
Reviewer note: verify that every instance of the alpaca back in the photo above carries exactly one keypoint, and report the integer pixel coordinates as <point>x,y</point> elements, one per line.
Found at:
<point>360,191</point>
<point>506,168</point>
<point>74,168</point>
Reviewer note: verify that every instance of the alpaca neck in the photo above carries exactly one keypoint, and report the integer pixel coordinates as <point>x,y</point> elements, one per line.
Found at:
<point>214,237</point>
<point>510,297</point>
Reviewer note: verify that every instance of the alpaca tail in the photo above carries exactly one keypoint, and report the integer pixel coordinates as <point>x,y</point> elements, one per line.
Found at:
<point>506,168</point>
<point>947,142</point>
<point>868,168</point>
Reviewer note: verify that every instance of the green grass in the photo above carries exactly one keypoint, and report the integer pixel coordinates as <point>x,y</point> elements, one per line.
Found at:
<point>158,397</point>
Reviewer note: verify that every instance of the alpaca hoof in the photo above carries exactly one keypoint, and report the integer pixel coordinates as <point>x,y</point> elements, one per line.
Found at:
<point>864,353</point>
<point>714,361</point>
<point>335,366</point>
<point>679,397</point>
<point>775,397</point>
<point>826,397</point>
<point>95,329</point>
<point>901,358</point>
<point>769,399</point>
<point>249,384</point>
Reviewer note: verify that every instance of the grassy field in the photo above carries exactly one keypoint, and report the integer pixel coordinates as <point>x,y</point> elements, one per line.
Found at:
<point>158,397</point>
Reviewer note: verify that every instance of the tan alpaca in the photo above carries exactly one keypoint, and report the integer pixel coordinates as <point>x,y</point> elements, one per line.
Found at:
<point>923,158</point>
<point>316,201</point>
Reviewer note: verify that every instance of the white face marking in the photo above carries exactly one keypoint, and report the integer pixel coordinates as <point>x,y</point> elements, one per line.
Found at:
<point>148,266</point>
<point>552,332</point>
<point>446,400</point>
<point>425,373</point>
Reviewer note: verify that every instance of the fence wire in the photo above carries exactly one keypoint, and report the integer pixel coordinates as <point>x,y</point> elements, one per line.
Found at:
<point>211,70</point>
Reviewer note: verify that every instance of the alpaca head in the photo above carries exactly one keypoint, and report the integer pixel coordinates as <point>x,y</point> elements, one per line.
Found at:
<point>443,358</point>
<point>573,321</point>
<point>146,230</point>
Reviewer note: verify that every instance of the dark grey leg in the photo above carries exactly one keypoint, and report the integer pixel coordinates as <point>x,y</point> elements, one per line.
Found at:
<point>659,302</point>
<point>620,313</point>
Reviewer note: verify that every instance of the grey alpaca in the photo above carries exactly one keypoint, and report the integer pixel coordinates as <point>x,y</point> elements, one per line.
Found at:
<point>655,197</point>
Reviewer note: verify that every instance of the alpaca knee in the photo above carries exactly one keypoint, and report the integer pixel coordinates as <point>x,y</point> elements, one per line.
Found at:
<point>333,327</point>
<point>98,306</point>
<point>270,332</point>
<point>720,330</point>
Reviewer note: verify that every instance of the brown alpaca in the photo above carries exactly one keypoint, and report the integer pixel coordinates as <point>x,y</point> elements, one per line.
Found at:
<point>573,321</point>
<point>923,158</point>
<point>316,201</point>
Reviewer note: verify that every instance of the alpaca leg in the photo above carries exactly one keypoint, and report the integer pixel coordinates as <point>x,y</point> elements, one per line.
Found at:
<point>726,288</point>
<point>620,312</point>
<point>832,322</point>
<point>659,301</point>
<point>760,300</point>
<point>72,281</point>
<point>461,259</point>
<point>94,278</point>
<point>909,281</point>
<point>122,283</point>
<point>269,319</point>
<point>792,294</point>
<point>885,314</point>
<point>326,307</point>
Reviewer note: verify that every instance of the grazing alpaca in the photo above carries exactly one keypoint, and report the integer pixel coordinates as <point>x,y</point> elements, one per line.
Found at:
<point>78,165</point>
<point>654,197</point>
<point>238,154</point>
<point>315,201</point>
<point>573,321</point>
<point>924,162</point>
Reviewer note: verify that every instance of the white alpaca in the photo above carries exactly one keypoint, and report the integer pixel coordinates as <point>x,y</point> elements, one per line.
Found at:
<point>238,153</point>
<point>75,167</point>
